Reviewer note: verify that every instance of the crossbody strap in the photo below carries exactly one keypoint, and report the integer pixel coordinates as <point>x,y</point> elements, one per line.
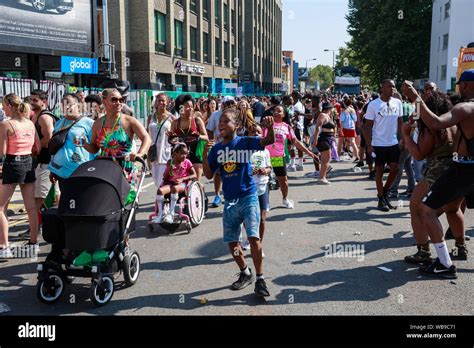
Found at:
<point>159,130</point>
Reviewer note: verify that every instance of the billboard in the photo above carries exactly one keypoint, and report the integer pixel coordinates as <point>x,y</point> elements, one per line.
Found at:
<point>79,65</point>
<point>47,27</point>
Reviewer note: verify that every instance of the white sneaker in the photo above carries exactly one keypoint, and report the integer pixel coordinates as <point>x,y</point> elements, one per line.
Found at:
<point>168,219</point>
<point>288,204</point>
<point>324,182</point>
<point>263,254</point>
<point>246,245</point>
<point>6,253</point>
<point>291,169</point>
<point>157,219</point>
<point>300,168</point>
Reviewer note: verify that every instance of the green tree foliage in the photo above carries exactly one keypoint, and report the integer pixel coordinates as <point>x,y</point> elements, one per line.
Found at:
<point>389,39</point>
<point>322,73</point>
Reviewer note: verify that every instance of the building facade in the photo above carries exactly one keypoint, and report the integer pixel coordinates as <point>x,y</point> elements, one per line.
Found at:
<point>197,45</point>
<point>452,29</point>
<point>287,72</point>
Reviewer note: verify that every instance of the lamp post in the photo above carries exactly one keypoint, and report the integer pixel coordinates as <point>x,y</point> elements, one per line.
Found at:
<point>309,60</point>
<point>333,61</point>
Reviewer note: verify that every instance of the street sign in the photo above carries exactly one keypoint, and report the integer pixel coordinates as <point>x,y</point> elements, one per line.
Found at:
<point>231,85</point>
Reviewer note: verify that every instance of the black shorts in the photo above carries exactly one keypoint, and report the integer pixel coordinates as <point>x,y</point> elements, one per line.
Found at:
<point>455,183</point>
<point>389,154</point>
<point>280,171</point>
<point>324,141</point>
<point>298,134</point>
<point>18,170</point>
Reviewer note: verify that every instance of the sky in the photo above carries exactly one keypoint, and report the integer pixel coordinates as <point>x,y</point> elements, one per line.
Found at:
<point>311,26</point>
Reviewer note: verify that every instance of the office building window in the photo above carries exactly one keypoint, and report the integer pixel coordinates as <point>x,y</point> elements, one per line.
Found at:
<point>160,32</point>
<point>178,38</point>
<point>193,6</point>
<point>205,48</point>
<point>447,9</point>
<point>181,2</point>
<point>226,54</point>
<point>445,41</point>
<point>205,9</point>
<point>234,56</point>
<point>194,42</point>
<point>217,9</point>
<point>443,72</point>
<point>226,17</point>
<point>233,22</point>
<point>218,51</point>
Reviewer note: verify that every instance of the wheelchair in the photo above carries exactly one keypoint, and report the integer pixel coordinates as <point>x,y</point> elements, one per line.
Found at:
<point>190,209</point>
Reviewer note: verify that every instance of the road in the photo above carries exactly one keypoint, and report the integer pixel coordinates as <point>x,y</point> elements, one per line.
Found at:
<point>190,274</point>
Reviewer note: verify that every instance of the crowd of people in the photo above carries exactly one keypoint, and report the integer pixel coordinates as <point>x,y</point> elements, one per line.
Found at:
<point>429,136</point>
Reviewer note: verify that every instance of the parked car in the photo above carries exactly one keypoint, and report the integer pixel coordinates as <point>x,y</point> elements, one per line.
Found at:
<point>61,6</point>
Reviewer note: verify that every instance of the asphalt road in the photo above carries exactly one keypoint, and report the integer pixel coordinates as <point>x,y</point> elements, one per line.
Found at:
<point>190,274</point>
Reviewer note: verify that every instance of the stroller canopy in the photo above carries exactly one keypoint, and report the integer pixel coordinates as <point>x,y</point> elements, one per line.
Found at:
<point>96,188</point>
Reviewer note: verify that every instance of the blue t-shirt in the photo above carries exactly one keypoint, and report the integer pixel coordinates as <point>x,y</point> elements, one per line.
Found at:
<point>348,119</point>
<point>70,156</point>
<point>233,162</point>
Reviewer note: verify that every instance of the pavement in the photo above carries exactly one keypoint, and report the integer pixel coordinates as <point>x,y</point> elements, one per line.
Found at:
<point>334,254</point>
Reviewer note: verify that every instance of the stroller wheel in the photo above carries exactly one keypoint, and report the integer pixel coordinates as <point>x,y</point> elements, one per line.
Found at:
<point>102,290</point>
<point>50,290</point>
<point>131,268</point>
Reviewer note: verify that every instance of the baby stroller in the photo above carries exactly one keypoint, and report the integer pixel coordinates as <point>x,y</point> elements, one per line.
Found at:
<point>96,214</point>
<point>190,209</point>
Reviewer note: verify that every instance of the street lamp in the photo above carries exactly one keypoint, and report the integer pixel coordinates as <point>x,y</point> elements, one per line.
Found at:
<point>309,60</point>
<point>333,61</point>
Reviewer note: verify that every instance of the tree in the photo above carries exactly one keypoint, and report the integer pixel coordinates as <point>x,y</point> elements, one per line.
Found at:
<point>390,39</point>
<point>323,74</point>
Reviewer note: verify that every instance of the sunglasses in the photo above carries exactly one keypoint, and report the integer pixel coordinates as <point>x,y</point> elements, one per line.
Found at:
<point>117,100</point>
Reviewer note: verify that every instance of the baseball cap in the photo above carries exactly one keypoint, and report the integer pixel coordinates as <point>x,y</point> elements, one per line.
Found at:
<point>227,99</point>
<point>466,76</point>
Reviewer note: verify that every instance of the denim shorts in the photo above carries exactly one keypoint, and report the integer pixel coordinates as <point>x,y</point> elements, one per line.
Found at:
<point>18,170</point>
<point>264,200</point>
<point>244,210</point>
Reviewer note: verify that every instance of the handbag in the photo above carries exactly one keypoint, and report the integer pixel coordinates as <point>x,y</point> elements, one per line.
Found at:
<point>58,139</point>
<point>152,154</point>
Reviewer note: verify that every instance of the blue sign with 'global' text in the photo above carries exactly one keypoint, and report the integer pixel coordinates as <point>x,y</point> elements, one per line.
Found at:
<point>79,65</point>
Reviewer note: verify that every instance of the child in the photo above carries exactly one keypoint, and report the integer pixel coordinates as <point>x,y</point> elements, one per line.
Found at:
<point>179,170</point>
<point>231,158</point>
<point>262,167</point>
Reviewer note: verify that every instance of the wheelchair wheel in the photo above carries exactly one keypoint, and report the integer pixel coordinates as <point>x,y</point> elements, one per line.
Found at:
<point>131,268</point>
<point>102,290</point>
<point>195,208</point>
<point>50,290</point>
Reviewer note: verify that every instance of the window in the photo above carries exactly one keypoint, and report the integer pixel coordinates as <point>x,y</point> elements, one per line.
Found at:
<point>193,6</point>
<point>226,17</point>
<point>439,42</point>
<point>217,9</point>
<point>218,51</point>
<point>160,32</point>
<point>443,72</point>
<point>447,9</point>
<point>181,2</point>
<point>194,39</point>
<point>205,50</point>
<point>178,38</point>
<point>233,22</point>
<point>205,9</point>
<point>445,41</point>
<point>234,56</point>
<point>226,54</point>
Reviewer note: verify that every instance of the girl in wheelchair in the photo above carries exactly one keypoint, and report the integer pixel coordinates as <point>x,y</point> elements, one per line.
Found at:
<point>179,171</point>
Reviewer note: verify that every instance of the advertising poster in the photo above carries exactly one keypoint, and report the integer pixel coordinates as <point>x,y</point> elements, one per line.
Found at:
<point>46,26</point>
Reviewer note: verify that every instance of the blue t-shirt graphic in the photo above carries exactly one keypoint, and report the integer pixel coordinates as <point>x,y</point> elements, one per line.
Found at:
<point>233,162</point>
